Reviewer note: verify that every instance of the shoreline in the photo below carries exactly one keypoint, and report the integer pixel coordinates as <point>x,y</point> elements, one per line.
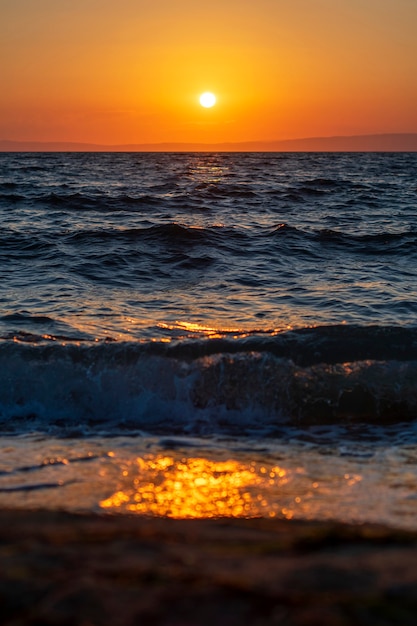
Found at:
<point>88,569</point>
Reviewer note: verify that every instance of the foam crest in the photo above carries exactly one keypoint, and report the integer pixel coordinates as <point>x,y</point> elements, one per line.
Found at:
<point>116,388</point>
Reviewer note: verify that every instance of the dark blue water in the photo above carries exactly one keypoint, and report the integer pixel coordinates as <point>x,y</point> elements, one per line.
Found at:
<point>145,246</point>
<point>238,295</point>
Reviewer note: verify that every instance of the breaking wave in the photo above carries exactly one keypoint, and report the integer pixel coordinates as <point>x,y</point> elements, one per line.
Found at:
<point>240,386</point>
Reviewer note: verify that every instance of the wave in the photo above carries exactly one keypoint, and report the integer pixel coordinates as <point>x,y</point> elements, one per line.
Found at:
<point>21,317</point>
<point>99,202</point>
<point>369,243</point>
<point>221,386</point>
<point>218,234</point>
<point>11,198</point>
<point>165,235</point>
<point>226,190</point>
<point>82,202</point>
<point>102,202</point>
<point>363,243</point>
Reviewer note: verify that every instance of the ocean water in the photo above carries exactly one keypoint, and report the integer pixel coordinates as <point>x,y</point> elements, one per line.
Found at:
<point>203,334</point>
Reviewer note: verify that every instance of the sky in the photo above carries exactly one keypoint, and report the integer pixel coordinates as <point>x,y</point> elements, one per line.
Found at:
<point>132,71</point>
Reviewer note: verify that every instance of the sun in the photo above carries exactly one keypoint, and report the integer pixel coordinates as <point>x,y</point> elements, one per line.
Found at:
<point>207,99</point>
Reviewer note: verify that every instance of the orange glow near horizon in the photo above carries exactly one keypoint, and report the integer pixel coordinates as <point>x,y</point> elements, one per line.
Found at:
<point>132,72</point>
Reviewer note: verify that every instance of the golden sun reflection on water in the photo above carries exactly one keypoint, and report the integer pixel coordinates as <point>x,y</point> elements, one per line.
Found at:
<point>216,331</point>
<point>195,488</point>
<point>201,330</point>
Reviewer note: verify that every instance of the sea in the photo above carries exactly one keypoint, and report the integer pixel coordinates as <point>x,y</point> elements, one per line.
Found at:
<point>210,335</point>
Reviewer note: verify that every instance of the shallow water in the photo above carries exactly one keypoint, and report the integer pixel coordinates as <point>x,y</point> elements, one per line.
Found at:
<point>327,474</point>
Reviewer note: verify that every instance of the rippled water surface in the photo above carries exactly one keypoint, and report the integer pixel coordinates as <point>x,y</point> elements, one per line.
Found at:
<point>156,245</point>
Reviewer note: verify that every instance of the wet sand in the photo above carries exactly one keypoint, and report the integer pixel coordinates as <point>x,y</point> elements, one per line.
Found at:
<point>59,568</point>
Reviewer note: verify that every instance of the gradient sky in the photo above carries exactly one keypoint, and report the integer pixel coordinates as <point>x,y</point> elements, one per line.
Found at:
<point>131,71</point>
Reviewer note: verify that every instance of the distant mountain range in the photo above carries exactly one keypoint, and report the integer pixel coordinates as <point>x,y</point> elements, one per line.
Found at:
<point>395,142</point>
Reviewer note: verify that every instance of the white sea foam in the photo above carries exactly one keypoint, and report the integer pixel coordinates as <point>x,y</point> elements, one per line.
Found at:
<point>120,387</point>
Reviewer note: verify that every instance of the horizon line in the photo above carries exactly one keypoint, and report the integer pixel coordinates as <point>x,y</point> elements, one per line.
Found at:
<point>376,142</point>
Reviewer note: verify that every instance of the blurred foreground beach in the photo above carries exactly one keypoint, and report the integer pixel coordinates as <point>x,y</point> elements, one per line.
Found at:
<point>119,570</point>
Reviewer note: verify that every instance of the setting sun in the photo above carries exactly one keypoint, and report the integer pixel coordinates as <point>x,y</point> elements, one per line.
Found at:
<point>207,99</point>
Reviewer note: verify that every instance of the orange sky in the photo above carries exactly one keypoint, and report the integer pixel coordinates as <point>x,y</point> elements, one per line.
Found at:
<point>131,71</point>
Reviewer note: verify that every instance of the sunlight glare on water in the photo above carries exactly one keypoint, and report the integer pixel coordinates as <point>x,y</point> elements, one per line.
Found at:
<point>195,488</point>
<point>348,482</point>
